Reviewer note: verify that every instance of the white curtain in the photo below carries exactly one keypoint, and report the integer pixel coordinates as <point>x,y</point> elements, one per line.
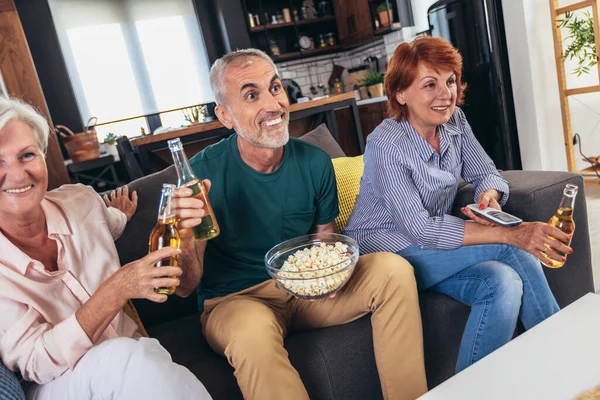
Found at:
<point>128,58</point>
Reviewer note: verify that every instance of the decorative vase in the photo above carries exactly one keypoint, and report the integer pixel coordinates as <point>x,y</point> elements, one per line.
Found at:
<point>384,20</point>
<point>364,92</point>
<point>112,149</point>
<point>376,90</point>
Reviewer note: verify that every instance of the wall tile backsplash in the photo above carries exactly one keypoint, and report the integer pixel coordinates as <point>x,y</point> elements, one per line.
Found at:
<point>316,70</point>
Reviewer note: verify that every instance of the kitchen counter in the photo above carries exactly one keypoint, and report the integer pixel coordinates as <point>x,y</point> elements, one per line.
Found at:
<point>323,111</point>
<point>371,101</point>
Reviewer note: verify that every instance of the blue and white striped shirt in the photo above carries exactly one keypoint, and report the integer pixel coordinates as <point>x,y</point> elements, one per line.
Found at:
<point>407,189</point>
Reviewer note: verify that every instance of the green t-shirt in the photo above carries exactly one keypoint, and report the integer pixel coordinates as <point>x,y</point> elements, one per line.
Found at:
<point>257,211</point>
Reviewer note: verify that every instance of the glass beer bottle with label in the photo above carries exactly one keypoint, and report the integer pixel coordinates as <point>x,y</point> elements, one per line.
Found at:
<point>208,228</point>
<point>165,233</point>
<point>563,220</point>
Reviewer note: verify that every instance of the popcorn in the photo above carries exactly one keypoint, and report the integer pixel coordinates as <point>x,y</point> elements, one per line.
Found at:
<point>317,270</point>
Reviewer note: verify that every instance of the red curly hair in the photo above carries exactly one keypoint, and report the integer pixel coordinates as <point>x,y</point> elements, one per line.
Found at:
<point>403,67</point>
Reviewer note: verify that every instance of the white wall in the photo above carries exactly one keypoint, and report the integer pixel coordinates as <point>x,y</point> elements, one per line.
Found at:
<point>535,89</point>
<point>585,113</point>
<point>535,84</point>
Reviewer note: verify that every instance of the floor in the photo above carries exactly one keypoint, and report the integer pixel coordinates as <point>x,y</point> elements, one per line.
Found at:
<point>592,194</point>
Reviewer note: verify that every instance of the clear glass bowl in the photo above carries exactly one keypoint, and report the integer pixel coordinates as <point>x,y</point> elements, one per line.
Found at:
<point>317,283</point>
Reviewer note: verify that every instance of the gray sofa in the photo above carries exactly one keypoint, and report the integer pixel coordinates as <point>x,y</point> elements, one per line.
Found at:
<point>338,362</point>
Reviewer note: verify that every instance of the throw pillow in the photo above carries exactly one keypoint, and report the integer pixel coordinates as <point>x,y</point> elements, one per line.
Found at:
<point>321,138</point>
<point>348,171</point>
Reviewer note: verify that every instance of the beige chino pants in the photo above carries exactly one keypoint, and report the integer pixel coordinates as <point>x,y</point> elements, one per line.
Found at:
<point>248,328</point>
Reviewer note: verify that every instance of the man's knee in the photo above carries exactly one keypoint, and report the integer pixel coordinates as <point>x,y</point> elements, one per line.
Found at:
<point>389,267</point>
<point>258,342</point>
<point>243,324</point>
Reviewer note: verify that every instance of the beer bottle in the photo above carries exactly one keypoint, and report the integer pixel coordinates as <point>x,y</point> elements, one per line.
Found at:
<point>165,233</point>
<point>208,228</point>
<point>563,220</point>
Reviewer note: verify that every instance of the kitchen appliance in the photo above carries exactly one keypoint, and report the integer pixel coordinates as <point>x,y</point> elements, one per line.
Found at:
<point>476,29</point>
<point>355,77</point>
<point>372,63</point>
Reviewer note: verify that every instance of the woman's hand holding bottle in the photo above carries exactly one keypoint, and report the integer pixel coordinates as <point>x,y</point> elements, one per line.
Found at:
<point>538,239</point>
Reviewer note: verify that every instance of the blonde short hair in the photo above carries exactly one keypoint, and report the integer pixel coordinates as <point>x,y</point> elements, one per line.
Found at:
<point>14,109</point>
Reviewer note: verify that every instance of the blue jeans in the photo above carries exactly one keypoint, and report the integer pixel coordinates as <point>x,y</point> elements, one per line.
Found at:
<point>501,283</point>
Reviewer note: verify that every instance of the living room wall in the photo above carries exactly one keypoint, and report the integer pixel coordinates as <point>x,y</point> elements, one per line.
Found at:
<point>535,84</point>
<point>585,114</point>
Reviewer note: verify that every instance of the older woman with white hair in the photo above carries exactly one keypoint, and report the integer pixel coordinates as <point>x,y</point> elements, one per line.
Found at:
<point>62,289</point>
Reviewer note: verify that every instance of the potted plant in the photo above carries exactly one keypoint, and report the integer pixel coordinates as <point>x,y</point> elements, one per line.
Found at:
<point>196,114</point>
<point>373,81</point>
<point>384,16</point>
<point>110,144</point>
<point>582,43</point>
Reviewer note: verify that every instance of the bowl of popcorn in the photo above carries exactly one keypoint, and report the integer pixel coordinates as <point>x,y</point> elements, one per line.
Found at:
<point>313,266</point>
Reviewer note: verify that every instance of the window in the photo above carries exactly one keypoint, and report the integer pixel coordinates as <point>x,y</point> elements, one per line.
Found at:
<point>132,58</point>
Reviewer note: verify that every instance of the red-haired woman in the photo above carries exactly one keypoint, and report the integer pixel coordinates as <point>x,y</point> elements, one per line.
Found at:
<point>413,163</point>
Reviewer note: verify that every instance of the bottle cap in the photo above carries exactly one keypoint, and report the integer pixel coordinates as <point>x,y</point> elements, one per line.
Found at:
<point>571,190</point>
<point>175,144</point>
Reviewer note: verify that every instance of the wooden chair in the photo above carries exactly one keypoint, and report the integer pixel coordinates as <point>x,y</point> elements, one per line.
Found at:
<point>127,156</point>
<point>99,171</point>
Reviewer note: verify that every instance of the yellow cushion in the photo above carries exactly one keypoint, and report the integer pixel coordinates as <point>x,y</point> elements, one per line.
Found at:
<point>348,171</point>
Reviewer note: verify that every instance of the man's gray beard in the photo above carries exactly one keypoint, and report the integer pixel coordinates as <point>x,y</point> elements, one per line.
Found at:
<point>267,143</point>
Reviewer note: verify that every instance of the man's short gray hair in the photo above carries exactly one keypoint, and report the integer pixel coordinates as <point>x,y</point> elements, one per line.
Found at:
<point>217,71</point>
<point>14,109</point>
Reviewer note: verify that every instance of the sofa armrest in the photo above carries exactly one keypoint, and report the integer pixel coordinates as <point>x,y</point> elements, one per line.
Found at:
<point>10,388</point>
<point>534,196</point>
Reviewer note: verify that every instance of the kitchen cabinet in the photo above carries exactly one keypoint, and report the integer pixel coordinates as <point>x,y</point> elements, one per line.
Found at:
<point>354,21</point>
<point>347,22</point>
<point>286,30</point>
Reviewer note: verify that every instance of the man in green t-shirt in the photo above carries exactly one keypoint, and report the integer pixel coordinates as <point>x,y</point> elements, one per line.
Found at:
<point>266,187</point>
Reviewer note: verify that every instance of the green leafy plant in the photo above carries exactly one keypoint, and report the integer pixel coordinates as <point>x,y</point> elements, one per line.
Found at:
<point>195,114</point>
<point>373,78</point>
<point>582,45</point>
<point>383,6</point>
<point>111,138</point>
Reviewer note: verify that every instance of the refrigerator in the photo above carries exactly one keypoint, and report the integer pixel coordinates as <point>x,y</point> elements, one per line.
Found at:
<point>476,29</point>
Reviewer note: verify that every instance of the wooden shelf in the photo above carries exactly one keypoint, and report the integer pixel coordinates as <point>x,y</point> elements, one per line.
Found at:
<point>262,28</point>
<point>320,50</point>
<point>388,29</point>
<point>287,56</point>
<point>300,54</point>
<point>315,20</point>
